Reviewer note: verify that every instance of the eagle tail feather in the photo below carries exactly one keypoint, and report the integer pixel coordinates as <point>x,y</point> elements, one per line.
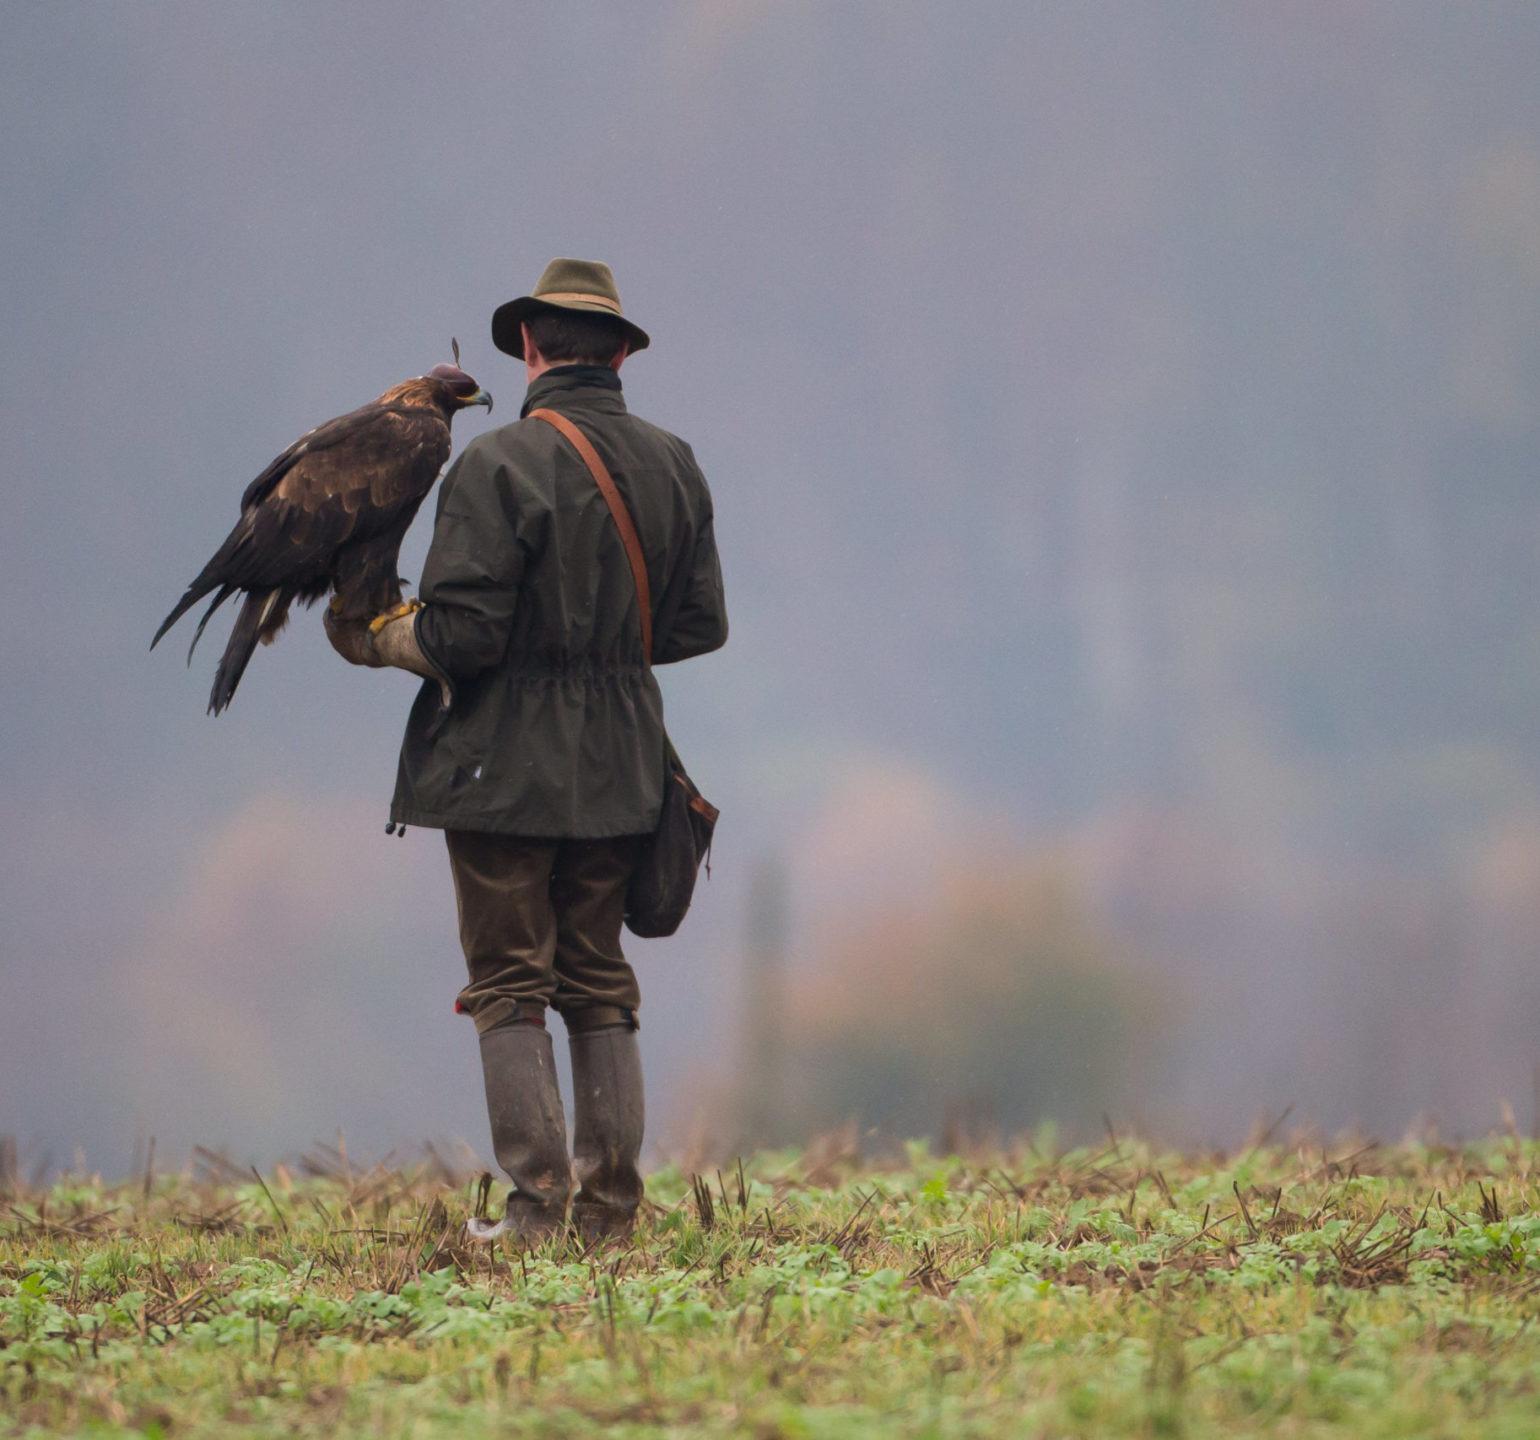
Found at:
<point>225,591</point>
<point>194,593</point>
<point>274,621</point>
<point>247,630</point>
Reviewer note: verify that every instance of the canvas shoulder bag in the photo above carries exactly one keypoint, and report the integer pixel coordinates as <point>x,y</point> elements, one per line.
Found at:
<point>663,882</point>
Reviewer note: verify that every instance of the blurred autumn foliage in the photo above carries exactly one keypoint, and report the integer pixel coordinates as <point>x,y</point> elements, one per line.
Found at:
<point>985,1004</point>
<point>1177,969</point>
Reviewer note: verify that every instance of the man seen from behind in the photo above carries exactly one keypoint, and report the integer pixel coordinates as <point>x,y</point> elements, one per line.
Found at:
<point>538,746</point>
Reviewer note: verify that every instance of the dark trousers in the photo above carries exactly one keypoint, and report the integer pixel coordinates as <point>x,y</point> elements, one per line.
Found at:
<point>540,925</point>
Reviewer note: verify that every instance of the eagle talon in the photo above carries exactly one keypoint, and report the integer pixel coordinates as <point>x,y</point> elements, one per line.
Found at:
<point>406,607</point>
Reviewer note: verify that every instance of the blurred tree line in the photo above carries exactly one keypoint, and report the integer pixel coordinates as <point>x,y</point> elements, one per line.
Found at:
<point>1229,595</point>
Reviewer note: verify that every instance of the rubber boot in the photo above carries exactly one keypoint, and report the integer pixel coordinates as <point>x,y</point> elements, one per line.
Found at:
<point>607,1130</point>
<point>529,1133</point>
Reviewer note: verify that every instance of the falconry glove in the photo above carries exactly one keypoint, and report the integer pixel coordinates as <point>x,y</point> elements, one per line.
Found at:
<point>393,639</point>
<point>388,639</point>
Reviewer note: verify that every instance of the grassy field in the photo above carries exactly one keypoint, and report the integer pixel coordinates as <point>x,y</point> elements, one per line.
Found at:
<point>1116,1291</point>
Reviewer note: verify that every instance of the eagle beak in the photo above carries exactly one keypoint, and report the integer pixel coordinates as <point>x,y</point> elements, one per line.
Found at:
<point>481,397</point>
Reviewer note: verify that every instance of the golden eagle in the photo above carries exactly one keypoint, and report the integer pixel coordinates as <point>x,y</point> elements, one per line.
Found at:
<point>330,514</point>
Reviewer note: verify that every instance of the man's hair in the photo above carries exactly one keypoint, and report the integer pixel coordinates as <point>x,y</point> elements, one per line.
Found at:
<point>575,336</point>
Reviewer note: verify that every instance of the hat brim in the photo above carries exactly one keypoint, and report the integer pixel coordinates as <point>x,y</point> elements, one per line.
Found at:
<point>508,316</point>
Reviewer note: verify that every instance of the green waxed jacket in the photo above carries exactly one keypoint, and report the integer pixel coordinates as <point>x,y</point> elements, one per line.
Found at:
<point>556,724</point>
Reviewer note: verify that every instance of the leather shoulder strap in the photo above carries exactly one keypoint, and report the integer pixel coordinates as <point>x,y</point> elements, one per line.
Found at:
<point>622,516</point>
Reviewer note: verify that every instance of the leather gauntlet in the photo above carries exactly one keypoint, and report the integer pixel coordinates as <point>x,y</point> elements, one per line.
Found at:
<point>395,643</point>
<point>388,640</point>
<point>351,639</point>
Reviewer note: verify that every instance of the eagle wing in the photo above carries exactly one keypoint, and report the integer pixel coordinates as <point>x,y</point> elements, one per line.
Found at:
<point>354,478</point>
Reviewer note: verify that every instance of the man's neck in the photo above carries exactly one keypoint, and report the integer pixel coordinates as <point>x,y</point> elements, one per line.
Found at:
<point>534,369</point>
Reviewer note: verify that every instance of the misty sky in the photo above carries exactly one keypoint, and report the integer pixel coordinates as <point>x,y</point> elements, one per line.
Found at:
<point>1082,389</point>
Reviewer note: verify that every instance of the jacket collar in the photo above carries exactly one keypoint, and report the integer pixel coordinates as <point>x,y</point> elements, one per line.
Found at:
<point>576,385</point>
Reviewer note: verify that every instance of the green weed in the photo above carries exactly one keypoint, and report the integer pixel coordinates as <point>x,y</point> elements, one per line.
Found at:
<point>1115,1292</point>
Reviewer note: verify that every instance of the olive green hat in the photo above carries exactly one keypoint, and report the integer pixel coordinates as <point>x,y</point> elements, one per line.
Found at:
<point>586,285</point>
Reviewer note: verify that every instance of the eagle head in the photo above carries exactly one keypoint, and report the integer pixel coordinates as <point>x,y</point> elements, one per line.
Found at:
<point>456,389</point>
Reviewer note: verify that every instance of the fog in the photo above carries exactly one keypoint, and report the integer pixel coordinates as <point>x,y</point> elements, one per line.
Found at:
<point>1122,428</point>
